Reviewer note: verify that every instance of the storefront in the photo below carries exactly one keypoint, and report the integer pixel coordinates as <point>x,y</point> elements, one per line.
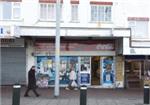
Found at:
<point>92,60</point>
<point>13,61</point>
<point>137,69</point>
<point>137,62</point>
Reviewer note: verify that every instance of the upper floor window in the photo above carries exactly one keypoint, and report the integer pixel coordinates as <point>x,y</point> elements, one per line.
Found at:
<point>139,26</point>
<point>10,10</point>
<point>101,11</point>
<point>48,10</point>
<point>74,10</point>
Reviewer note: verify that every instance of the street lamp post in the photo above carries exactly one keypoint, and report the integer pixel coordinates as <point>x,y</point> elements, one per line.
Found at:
<point>57,49</point>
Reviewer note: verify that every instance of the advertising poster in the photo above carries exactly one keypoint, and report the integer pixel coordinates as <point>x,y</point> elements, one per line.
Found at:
<point>85,64</point>
<point>63,72</point>
<point>108,75</point>
<point>85,67</point>
<point>147,70</point>
<point>66,64</point>
<point>45,72</point>
<point>84,79</point>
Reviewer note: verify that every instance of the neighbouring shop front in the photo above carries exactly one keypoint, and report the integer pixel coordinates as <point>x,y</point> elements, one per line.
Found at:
<point>94,62</point>
<point>13,61</point>
<point>137,70</point>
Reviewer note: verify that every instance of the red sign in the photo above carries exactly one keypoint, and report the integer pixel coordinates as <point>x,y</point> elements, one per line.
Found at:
<point>77,46</point>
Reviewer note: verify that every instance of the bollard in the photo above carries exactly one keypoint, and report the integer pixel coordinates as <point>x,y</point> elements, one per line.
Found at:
<point>83,95</point>
<point>146,94</point>
<point>16,94</point>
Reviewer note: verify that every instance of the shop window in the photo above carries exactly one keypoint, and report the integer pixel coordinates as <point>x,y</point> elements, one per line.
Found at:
<point>85,70</point>
<point>45,72</point>
<point>147,70</point>
<point>108,72</point>
<point>10,10</point>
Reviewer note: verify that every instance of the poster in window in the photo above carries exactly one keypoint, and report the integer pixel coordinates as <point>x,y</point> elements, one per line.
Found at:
<point>73,64</point>
<point>147,70</point>
<point>85,64</point>
<point>108,75</point>
<point>45,72</point>
<point>84,79</point>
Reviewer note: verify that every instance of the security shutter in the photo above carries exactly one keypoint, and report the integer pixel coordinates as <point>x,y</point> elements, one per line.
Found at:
<point>13,62</point>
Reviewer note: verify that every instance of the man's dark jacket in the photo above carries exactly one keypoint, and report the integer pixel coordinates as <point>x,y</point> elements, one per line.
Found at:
<point>31,79</point>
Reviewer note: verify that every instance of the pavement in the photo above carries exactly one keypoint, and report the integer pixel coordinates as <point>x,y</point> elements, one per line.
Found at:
<point>72,97</point>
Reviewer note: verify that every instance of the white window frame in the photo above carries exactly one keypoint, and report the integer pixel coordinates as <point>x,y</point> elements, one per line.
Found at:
<point>135,33</point>
<point>18,6</point>
<point>97,15</point>
<point>74,13</point>
<point>13,6</point>
<point>47,18</point>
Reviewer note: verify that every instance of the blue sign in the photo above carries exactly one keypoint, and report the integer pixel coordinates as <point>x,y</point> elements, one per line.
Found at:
<point>108,75</point>
<point>1,31</point>
<point>85,78</point>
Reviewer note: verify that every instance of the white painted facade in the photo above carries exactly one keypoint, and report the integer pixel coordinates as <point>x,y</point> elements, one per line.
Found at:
<point>120,12</point>
<point>30,24</point>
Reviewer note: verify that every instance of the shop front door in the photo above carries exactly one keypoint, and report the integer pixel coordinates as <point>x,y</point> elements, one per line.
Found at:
<point>133,74</point>
<point>95,70</point>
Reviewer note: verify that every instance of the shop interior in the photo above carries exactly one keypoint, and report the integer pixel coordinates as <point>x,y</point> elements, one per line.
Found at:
<point>95,71</point>
<point>133,74</point>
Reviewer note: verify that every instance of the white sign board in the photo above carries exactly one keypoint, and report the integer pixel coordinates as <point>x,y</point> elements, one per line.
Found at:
<point>9,31</point>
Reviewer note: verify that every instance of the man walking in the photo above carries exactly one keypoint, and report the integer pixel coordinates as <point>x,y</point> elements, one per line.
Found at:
<point>31,82</point>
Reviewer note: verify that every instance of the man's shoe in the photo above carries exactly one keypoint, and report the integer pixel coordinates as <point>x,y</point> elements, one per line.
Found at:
<point>37,95</point>
<point>26,95</point>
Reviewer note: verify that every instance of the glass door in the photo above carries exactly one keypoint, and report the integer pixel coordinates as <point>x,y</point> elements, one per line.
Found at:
<point>85,70</point>
<point>133,73</point>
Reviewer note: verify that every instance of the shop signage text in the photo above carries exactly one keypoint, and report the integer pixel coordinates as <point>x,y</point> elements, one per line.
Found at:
<point>76,46</point>
<point>12,43</point>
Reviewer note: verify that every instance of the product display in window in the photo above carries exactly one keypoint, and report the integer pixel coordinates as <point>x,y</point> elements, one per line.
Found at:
<point>45,72</point>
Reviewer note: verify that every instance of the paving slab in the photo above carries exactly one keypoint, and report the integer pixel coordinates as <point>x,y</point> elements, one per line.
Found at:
<point>72,97</point>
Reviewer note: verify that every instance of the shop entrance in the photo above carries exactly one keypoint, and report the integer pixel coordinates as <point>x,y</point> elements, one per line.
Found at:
<point>95,70</point>
<point>133,74</point>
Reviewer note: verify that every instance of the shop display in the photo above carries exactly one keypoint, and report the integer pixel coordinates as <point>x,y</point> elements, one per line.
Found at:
<point>108,75</point>
<point>45,72</point>
<point>147,70</point>
<point>85,79</point>
<point>85,64</point>
<point>85,71</point>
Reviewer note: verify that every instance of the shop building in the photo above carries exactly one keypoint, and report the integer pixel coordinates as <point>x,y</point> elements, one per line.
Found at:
<point>137,63</point>
<point>96,60</point>
<point>13,57</point>
<point>99,47</point>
